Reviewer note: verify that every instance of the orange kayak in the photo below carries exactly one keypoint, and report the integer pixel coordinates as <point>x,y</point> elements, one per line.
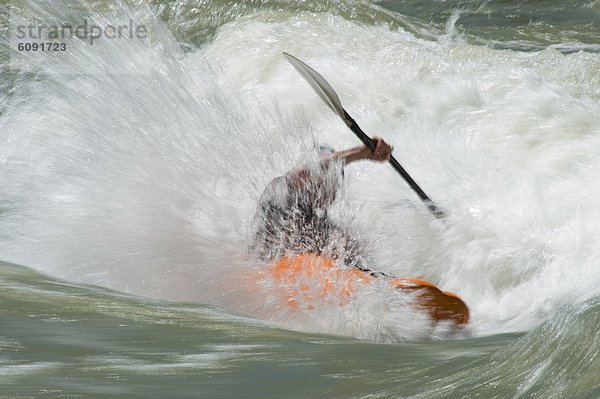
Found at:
<point>337,285</point>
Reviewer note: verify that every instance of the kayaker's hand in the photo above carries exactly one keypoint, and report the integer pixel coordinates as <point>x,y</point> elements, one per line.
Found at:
<point>383,150</point>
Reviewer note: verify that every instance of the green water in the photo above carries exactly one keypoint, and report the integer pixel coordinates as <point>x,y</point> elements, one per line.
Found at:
<point>64,340</point>
<point>520,25</point>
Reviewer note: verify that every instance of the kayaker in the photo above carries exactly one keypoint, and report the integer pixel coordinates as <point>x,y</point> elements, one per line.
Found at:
<point>291,221</point>
<point>291,216</point>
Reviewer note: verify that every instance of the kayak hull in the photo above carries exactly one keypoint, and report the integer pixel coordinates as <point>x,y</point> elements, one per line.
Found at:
<point>338,286</point>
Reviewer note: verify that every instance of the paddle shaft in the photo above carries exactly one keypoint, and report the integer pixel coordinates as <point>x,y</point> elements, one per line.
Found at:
<point>329,96</point>
<point>437,212</point>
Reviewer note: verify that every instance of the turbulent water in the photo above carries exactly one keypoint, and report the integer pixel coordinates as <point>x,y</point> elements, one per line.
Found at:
<point>130,170</point>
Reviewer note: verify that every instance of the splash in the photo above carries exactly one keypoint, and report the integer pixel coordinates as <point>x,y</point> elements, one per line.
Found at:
<point>143,174</point>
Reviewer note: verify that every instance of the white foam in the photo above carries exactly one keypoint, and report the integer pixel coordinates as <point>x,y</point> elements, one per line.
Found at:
<point>147,184</point>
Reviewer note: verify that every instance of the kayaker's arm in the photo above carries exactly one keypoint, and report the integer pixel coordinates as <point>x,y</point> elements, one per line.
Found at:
<point>383,151</point>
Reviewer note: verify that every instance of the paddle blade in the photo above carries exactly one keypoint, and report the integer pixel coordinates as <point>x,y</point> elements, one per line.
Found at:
<point>319,85</point>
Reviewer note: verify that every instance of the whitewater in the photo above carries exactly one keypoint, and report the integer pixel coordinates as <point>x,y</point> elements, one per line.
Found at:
<point>132,172</point>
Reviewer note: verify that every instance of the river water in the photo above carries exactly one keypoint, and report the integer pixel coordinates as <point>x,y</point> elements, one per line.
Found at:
<point>130,169</point>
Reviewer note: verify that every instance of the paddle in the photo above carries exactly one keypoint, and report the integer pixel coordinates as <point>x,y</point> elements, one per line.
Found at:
<point>328,95</point>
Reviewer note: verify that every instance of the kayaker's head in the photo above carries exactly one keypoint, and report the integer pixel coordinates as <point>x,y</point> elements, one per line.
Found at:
<point>317,181</point>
